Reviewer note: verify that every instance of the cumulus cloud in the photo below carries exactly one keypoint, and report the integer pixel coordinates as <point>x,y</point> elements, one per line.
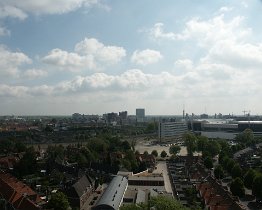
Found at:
<point>9,10</point>
<point>130,81</point>
<point>89,54</point>
<point>34,73</point>
<point>107,54</point>
<point>21,9</point>
<point>11,61</point>
<point>157,32</point>
<point>145,57</point>
<point>13,91</point>
<point>205,31</point>
<point>185,64</point>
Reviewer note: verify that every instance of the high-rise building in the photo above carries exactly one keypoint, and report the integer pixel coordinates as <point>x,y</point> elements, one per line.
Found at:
<point>171,131</point>
<point>140,115</point>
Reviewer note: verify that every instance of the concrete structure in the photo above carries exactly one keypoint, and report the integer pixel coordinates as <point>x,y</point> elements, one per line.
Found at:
<point>140,115</point>
<point>112,198</point>
<point>171,131</point>
<point>143,186</point>
<point>224,129</point>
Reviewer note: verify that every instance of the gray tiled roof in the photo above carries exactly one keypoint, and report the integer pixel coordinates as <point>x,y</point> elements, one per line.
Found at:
<point>81,185</point>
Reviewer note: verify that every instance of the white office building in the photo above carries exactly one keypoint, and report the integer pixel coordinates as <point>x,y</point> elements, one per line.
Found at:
<point>171,131</point>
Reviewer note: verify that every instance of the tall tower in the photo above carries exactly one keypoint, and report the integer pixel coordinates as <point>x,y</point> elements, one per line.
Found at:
<point>140,115</point>
<point>183,111</point>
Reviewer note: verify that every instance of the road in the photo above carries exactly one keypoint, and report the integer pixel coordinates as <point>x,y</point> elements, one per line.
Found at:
<point>162,168</point>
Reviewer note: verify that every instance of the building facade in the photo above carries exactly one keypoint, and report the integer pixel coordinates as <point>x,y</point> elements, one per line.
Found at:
<point>140,115</point>
<point>171,131</point>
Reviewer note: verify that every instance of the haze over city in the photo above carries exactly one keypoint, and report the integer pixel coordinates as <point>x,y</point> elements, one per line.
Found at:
<point>93,56</point>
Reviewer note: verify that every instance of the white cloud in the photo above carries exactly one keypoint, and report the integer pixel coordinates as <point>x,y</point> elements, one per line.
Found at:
<point>107,54</point>
<point>12,91</point>
<point>215,30</point>
<point>145,57</point>
<point>34,73</point>
<point>69,61</point>
<point>20,9</point>
<point>185,64</point>
<point>225,9</point>
<point>9,10</point>
<point>205,31</point>
<point>157,32</point>
<point>89,54</point>
<point>11,61</point>
<point>130,81</point>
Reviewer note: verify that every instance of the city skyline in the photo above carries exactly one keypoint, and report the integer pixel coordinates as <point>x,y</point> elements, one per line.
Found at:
<point>98,56</point>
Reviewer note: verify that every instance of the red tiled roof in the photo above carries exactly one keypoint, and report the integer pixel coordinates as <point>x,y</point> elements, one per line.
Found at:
<point>18,194</point>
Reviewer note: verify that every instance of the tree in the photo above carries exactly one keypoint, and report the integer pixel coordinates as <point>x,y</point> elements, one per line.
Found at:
<point>166,203</point>
<point>191,143</point>
<point>246,137</point>
<point>208,163</point>
<point>237,187</point>
<point>249,178</point>
<point>219,172</point>
<point>236,171</point>
<point>224,161</point>
<point>58,201</point>
<point>125,145</point>
<point>27,165</point>
<point>163,154</point>
<point>155,153</point>
<point>214,148</point>
<point>257,186</point>
<point>157,203</point>
<point>230,164</point>
<point>146,153</point>
<point>225,146</point>
<point>174,149</point>
<point>202,143</point>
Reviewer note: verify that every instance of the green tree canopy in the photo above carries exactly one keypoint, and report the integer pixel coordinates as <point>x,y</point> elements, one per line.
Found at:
<point>166,203</point>
<point>155,153</point>
<point>230,164</point>
<point>27,165</point>
<point>214,148</point>
<point>246,137</point>
<point>249,178</point>
<point>236,171</point>
<point>257,186</point>
<point>219,172</point>
<point>237,187</point>
<point>163,154</point>
<point>190,142</point>
<point>174,149</point>
<point>145,152</point>
<point>208,163</point>
<point>58,201</point>
<point>157,203</point>
<point>202,143</point>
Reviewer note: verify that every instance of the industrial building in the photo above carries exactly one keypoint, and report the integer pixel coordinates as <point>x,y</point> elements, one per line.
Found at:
<point>224,129</point>
<point>112,198</point>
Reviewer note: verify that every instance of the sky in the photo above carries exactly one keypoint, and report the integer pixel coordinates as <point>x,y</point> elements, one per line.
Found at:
<point>97,56</point>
